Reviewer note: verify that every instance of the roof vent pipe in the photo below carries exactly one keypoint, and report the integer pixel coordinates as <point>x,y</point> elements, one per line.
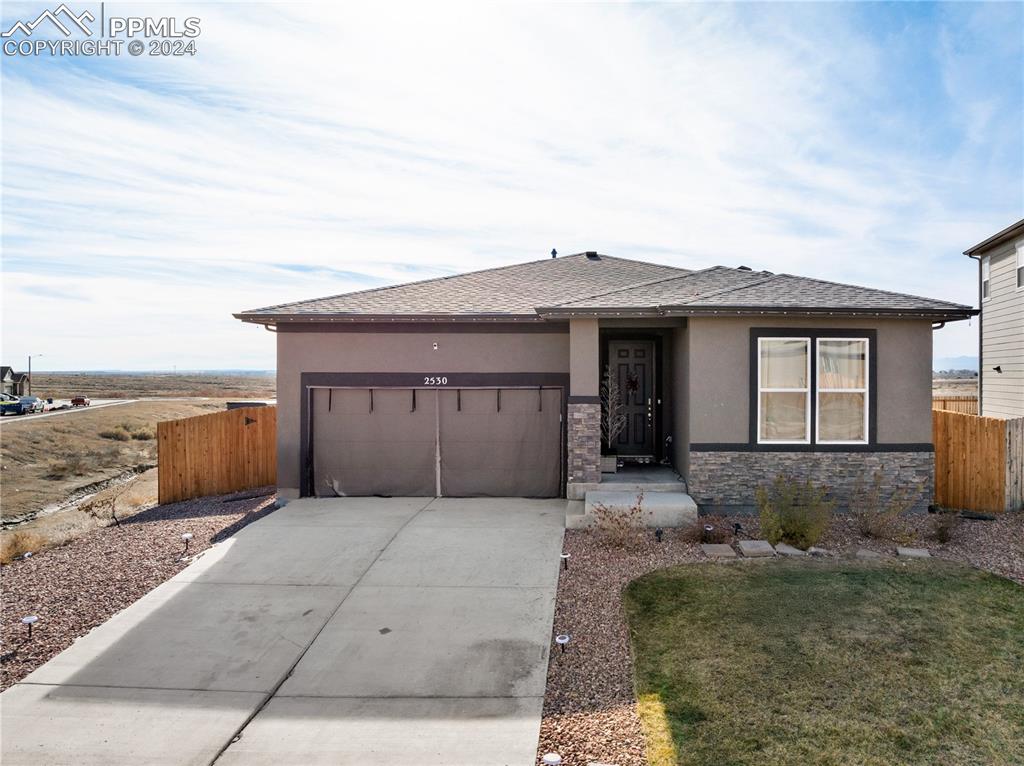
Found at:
<point>744,268</point>
<point>592,255</point>
<point>554,253</point>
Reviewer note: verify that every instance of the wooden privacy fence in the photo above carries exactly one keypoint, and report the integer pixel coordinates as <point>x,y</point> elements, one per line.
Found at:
<point>965,404</point>
<point>979,462</point>
<point>218,453</point>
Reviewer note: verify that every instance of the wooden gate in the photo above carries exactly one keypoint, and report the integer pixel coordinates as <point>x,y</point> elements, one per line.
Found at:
<point>216,454</point>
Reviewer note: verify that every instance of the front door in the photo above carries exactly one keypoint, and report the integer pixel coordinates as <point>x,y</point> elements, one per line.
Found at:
<point>632,362</point>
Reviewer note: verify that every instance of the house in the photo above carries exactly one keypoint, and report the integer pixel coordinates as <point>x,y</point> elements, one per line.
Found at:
<point>488,383</point>
<point>1001,326</point>
<point>14,383</point>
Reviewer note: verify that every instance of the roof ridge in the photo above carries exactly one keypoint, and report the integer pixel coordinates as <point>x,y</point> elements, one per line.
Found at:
<point>876,289</point>
<point>731,288</point>
<point>383,288</point>
<point>638,284</point>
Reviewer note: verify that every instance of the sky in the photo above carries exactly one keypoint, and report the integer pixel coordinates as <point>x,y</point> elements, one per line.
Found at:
<point>313,149</point>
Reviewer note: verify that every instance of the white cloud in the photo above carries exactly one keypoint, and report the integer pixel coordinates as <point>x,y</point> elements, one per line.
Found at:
<point>403,141</point>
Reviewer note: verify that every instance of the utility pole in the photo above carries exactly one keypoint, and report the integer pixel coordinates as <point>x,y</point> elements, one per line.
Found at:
<point>30,373</point>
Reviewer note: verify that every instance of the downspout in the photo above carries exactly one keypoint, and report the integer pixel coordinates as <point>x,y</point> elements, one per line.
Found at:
<point>981,341</point>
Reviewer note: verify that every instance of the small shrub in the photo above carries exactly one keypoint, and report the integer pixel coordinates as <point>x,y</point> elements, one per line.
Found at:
<point>792,511</point>
<point>620,527</point>
<point>143,434</point>
<point>72,465</point>
<point>119,434</point>
<point>882,518</point>
<point>945,525</point>
<point>14,545</point>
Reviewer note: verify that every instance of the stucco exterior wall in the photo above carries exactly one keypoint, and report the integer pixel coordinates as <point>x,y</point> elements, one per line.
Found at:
<point>680,410</point>
<point>487,348</point>
<point>719,380</point>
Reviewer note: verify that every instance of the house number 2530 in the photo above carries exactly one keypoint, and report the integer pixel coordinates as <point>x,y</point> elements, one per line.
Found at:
<point>431,380</point>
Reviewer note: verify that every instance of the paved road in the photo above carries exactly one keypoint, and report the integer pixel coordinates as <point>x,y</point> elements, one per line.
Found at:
<point>342,631</point>
<point>96,404</point>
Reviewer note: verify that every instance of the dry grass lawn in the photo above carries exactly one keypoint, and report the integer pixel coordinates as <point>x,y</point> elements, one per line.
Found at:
<point>836,662</point>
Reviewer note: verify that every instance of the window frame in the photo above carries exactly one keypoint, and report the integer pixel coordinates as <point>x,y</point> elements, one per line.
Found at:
<point>866,390</point>
<point>986,278</point>
<point>806,391</point>
<point>758,331</point>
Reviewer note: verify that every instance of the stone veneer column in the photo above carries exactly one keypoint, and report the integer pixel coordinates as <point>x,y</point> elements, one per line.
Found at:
<point>584,443</point>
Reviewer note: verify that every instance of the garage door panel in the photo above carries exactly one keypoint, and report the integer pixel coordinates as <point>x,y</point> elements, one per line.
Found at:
<point>383,448</point>
<point>513,451</point>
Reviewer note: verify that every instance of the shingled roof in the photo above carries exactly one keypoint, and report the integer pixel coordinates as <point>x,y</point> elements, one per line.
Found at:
<point>588,284</point>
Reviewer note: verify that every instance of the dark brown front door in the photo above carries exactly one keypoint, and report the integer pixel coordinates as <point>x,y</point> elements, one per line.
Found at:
<point>632,361</point>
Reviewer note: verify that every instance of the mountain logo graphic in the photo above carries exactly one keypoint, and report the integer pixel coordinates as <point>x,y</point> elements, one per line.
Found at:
<point>55,18</point>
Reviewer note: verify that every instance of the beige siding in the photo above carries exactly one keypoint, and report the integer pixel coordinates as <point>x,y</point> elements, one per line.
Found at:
<point>1002,342</point>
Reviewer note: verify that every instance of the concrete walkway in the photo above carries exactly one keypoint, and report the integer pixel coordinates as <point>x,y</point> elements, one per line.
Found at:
<point>342,631</point>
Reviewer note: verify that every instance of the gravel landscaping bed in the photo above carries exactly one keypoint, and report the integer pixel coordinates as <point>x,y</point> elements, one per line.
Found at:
<point>75,587</point>
<point>590,706</point>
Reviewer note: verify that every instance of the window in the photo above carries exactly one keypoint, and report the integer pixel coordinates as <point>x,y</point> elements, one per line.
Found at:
<point>784,386</point>
<point>986,272</point>
<point>842,391</point>
<point>1020,266</point>
<point>834,393</point>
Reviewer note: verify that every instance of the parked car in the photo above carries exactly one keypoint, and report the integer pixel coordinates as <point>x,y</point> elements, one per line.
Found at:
<point>22,406</point>
<point>80,401</point>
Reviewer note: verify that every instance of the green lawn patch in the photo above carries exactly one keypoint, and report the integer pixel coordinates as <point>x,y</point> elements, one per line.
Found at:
<point>829,663</point>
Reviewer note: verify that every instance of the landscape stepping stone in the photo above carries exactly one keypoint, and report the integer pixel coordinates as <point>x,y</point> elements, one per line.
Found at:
<point>718,551</point>
<point>913,553</point>
<point>756,548</point>
<point>789,550</point>
<point>865,553</point>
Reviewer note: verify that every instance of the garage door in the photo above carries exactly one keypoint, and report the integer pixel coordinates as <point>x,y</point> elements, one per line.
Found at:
<point>422,442</point>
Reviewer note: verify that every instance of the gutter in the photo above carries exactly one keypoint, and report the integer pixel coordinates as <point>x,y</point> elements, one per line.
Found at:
<point>936,315</point>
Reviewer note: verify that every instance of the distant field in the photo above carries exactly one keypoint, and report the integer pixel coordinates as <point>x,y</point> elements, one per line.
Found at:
<point>955,387</point>
<point>64,385</point>
<point>46,460</point>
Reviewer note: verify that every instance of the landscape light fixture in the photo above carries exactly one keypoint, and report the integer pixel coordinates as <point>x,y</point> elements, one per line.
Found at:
<point>30,621</point>
<point>565,560</point>
<point>551,759</point>
<point>658,533</point>
<point>737,528</point>
<point>562,640</point>
<point>186,538</point>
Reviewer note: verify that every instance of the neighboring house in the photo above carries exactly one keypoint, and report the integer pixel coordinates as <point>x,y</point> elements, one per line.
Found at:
<point>488,383</point>
<point>14,383</point>
<point>1001,327</point>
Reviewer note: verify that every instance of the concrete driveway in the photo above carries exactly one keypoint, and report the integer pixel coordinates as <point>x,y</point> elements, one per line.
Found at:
<point>341,631</point>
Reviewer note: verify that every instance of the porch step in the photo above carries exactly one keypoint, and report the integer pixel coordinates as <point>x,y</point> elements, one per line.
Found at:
<point>658,509</point>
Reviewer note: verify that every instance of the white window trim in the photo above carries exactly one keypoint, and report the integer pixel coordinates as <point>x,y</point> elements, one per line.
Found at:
<point>865,390</point>
<point>986,276</point>
<point>805,391</point>
<point>1020,265</point>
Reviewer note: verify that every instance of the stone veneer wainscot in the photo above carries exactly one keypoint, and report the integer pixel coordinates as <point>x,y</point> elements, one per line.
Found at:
<point>722,481</point>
